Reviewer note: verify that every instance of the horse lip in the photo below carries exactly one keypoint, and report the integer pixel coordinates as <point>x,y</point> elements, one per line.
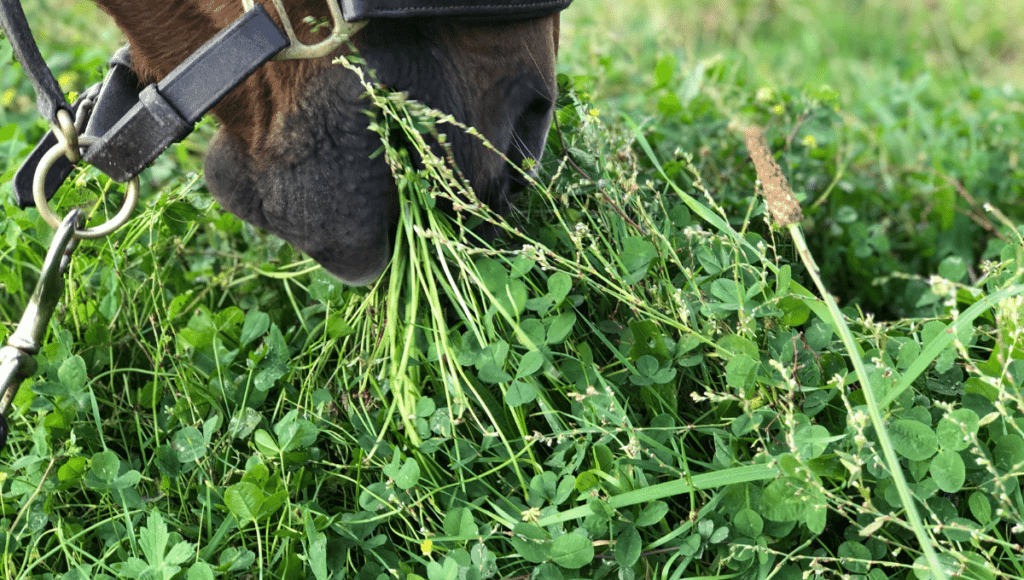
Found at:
<point>368,272</point>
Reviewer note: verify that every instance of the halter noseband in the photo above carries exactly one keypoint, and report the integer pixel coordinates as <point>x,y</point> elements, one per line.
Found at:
<point>127,128</point>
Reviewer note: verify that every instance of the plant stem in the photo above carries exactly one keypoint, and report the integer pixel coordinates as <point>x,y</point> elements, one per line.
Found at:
<point>874,411</point>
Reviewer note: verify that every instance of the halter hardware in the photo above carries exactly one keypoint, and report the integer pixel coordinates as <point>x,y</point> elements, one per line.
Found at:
<point>130,128</point>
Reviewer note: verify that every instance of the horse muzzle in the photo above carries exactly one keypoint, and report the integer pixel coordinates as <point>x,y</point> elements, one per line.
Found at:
<point>138,125</point>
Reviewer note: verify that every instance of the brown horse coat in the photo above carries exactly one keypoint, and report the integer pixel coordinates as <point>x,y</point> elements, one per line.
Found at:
<point>293,153</point>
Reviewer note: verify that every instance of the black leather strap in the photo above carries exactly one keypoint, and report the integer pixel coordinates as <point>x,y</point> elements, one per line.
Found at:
<point>132,127</point>
<point>106,103</point>
<point>167,112</point>
<point>222,63</point>
<point>117,95</point>
<point>49,98</point>
<point>498,10</point>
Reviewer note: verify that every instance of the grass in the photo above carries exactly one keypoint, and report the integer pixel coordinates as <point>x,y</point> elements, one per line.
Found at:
<point>644,379</point>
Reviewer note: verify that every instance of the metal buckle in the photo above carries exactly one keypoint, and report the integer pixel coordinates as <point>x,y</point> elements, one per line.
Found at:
<point>69,141</point>
<point>340,32</point>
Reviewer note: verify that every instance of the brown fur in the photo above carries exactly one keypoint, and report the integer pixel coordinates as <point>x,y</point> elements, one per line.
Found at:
<point>293,153</point>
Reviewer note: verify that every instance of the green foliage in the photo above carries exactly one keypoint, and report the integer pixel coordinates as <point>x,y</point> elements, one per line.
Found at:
<point>159,562</point>
<point>636,382</point>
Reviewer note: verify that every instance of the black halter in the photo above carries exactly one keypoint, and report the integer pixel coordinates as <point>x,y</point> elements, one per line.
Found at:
<point>130,128</point>
<point>498,10</point>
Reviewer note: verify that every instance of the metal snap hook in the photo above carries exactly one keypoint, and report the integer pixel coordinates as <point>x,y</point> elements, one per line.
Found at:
<point>16,357</point>
<point>39,195</point>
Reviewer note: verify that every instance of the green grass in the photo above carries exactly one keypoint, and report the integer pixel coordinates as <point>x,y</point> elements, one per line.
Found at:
<point>642,380</point>
<point>925,128</point>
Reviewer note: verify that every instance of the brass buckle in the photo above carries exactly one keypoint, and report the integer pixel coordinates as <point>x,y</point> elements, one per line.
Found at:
<point>340,32</point>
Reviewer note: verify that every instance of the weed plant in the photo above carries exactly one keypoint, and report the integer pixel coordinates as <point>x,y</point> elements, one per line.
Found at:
<point>640,379</point>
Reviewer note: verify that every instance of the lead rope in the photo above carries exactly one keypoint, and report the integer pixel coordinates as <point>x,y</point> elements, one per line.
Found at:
<point>16,358</point>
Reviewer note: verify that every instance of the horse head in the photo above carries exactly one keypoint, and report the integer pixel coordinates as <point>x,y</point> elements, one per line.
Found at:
<point>294,151</point>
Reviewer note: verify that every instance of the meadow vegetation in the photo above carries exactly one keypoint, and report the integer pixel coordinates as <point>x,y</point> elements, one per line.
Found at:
<point>642,379</point>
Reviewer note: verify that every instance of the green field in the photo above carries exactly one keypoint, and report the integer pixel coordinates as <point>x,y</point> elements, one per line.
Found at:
<point>641,380</point>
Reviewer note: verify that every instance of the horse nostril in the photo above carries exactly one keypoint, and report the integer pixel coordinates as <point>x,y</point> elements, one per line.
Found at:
<point>531,129</point>
<point>529,134</point>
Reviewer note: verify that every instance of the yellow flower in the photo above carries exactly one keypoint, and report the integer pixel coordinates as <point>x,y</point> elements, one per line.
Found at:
<point>809,141</point>
<point>427,546</point>
<point>66,80</point>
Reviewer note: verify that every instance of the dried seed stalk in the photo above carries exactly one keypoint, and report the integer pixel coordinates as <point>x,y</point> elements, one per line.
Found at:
<point>785,209</point>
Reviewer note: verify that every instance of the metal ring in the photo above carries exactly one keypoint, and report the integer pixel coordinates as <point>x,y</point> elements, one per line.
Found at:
<point>84,112</point>
<point>131,198</point>
<point>341,30</point>
<point>67,135</point>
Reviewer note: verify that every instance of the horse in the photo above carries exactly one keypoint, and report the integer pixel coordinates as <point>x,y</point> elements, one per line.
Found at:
<point>294,151</point>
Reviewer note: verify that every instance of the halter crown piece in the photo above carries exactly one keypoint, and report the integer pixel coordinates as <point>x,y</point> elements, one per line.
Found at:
<point>127,128</point>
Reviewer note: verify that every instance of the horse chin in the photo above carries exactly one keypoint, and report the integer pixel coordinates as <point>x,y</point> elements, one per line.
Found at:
<point>312,181</point>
